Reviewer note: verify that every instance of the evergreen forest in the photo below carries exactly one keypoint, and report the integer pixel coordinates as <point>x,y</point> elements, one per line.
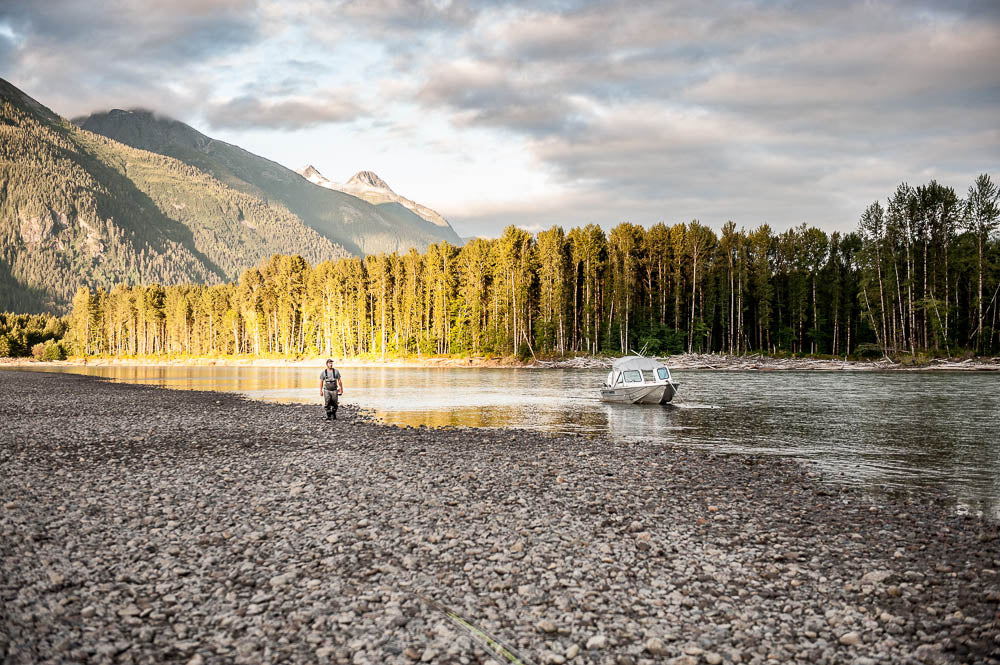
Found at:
<point>38,335</point>
<point>919,277</point>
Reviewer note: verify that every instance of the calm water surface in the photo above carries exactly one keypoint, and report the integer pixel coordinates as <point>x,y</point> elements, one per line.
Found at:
<point>929,432</point>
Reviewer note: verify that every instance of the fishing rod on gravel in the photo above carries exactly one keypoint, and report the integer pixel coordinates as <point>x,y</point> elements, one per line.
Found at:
<point>493,645</point>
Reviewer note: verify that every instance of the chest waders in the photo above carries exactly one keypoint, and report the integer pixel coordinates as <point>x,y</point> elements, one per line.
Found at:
<point>330,397</point>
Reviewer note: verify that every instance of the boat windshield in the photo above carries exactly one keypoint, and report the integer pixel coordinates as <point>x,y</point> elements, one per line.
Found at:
<point>662,373</point>
<point>633,376</point>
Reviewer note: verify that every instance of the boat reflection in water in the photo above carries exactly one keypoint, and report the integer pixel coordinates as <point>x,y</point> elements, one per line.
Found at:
<point>638,380</point>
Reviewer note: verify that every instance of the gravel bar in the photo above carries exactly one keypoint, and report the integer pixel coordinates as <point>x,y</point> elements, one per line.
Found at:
<point>148,525</point>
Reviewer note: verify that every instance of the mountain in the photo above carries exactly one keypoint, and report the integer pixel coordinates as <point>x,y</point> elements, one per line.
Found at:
<point>368,186</point>
<point>79,209</point>
<point>359,224</point>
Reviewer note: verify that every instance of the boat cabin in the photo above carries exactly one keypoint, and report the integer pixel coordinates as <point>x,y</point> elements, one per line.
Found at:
<point>636,370</point>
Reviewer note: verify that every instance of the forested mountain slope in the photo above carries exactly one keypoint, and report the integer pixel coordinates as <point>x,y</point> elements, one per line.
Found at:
<point>361,226</point>
<point>78,209</point>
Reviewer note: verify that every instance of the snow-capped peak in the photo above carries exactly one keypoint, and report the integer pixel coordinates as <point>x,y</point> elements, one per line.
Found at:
<point>368,186</point>
<point>312,175</point>
<point>368,179</point>
<point>310,172</point>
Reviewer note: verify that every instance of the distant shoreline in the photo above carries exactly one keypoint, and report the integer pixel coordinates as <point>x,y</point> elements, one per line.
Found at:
<point>685,361</point>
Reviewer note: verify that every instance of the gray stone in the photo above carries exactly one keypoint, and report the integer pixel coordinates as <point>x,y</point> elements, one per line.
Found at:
<point>876,577</point>
<point>683,660</point>
<point>597,642</point>
<point>546,626</point>
<point>281,580</point>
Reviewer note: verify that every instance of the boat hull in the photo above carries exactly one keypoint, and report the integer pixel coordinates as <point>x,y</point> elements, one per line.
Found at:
<point>657,393</point>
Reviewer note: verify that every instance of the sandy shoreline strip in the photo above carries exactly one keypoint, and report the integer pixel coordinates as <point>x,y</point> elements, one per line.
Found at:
<point>148,525</point>
<point>706,361</point>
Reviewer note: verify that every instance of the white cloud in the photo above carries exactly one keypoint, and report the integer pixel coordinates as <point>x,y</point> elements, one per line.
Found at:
<point>541,113</point>
<point>293,113</point>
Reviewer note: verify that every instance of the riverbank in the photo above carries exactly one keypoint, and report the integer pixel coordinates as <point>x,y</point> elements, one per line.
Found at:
<point>706,361</point>
<point>148,525</point>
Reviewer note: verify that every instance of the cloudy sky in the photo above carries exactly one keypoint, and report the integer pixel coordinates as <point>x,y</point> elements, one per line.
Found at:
<point>554,112</point>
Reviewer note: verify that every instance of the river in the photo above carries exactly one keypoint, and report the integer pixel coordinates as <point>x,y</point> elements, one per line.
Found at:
<point>934,433</point>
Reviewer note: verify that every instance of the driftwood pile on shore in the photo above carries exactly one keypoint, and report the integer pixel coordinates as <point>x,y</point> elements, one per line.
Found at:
<point>762,362</point>
<point>580,362</point>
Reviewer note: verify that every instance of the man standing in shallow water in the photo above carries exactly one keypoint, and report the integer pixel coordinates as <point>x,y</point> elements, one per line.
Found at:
<point>331,388</point>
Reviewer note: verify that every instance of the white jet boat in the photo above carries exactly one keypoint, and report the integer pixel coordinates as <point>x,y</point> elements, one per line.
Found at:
<point>638,380</point>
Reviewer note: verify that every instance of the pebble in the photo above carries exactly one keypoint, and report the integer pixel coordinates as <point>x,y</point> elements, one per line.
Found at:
<point>876,577</point>
<point>597,642</point>
<point>281,580</point>
<point>931,654</point>
<point>683,660</point>
<point>546,626</point>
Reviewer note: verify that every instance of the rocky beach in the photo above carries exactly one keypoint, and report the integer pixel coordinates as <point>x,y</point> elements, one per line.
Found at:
<point>148,525</point>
